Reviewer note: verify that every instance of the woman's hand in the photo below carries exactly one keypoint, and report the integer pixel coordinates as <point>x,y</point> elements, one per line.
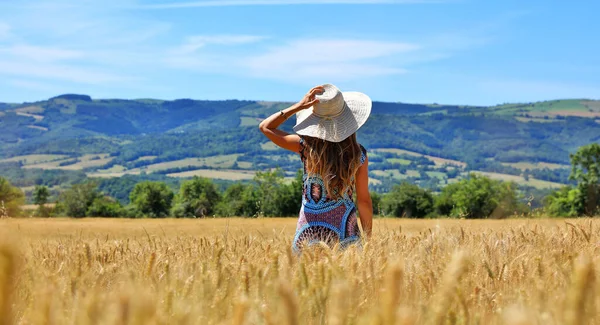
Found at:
<point>310,98</point>
<point>281,138</point>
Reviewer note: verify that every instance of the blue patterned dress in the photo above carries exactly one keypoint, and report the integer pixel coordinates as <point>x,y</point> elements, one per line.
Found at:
<point>324,219</point>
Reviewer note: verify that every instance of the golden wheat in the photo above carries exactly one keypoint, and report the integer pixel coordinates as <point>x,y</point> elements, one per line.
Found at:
<point>242,271</point>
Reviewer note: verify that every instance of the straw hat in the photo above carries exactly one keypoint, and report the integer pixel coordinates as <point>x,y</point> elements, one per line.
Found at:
<point>336,116</point>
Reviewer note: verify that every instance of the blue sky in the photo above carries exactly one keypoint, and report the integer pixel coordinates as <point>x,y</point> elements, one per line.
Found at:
<point>455,52</point>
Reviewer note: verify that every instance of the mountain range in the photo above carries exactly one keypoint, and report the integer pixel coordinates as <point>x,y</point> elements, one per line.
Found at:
<point>185,137</point>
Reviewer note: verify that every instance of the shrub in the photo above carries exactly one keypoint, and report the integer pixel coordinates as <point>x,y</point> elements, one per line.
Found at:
<point>407,200</point>
<point>152,199</point>
<point>479,197</point>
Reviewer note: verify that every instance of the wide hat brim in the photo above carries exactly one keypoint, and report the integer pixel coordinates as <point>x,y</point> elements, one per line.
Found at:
<point>337,128</point>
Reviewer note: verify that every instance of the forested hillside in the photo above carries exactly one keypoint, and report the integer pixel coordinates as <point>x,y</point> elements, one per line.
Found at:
<point>65,137</point>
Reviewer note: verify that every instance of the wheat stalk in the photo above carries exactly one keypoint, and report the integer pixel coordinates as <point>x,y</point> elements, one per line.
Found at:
<point>8,271</point>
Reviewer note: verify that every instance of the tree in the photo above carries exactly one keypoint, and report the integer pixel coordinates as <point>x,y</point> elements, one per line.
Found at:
<point>106,207</point>
<point>407,200</point>
<point>269,185</point>
<point>12,198</point>
<point>76,201</point>
<point>289,200</point>
<point>239,200</point>
<point>479,197</point>
<point>197,198</point>
<point>152,199</point>
<point>566,202</point>
<point>585,169</point>
<point>40,198</point>
<point>376,200</point>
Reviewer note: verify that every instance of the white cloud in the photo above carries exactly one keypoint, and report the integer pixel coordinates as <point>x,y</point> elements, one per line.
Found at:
<point>228,3</point>
<point>40,53</point>
<point>193,43</point>
<point>335,59</point>
<point>79,42</point>
<point>4,30</point>
<point>64,72</point>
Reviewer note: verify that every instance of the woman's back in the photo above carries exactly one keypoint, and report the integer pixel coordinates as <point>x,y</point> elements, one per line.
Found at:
<point>328,214</point>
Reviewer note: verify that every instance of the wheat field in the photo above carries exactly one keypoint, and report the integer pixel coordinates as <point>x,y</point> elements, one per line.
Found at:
<point>242,271</point>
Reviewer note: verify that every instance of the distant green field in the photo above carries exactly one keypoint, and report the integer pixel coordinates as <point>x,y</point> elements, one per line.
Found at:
<point>291,157</point>
<point>539,165</point>
<point>231,175</point>
<point>34,109</point>
<point>373,181</point>
<point>442,111</point>
<point>520,180</point>
<point>559,105</point>
<point>387,173</point>
<point>569,107</point>
<point>536,119</point>
<point>437,160</point>
<point>269,146</point>
<point>113,169</point>
<point>85,161</point>
<point>146,158</point>
<point>399,161</point>
<point>439,175</point>
<point>393,173</point>
<point>34,159</point>
<point>249,121</point>
<point>244,164</point>
<point>222,161</point>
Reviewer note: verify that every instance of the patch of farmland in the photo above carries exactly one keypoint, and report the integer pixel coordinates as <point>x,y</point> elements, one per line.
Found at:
<point>269,146</point>
<point>85,161</point>
<point>244,164</point>
<point>111,175</point>
<point>439,175</point>
<point>531,166</point>
<point>30,109</point>
<point>592,104</point>
<point>393,173</point>
<point>290,157</point>
<point>34,159</point>
<point>536,119</point>
<point>146,158</point>
<point>249,121</point>
<point>221,161</point>
<point>113,169</point>
<point>374,181</point>
<point>437,160</point>
<point>413,173</point>
<point>399,161</point>
<point>233,175</point>
<point>571,105</point>
<point>592,114</point>
<point>36,117</point>
<point>519,180</point>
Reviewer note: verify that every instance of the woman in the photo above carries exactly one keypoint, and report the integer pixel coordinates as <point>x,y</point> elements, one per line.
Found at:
<point>335,165</point>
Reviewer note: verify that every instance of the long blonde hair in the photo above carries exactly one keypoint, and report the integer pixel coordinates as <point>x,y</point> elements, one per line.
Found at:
<point>336,162</point>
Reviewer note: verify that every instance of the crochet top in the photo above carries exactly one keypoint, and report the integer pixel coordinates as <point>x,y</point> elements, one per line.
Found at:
<point>321,218</point>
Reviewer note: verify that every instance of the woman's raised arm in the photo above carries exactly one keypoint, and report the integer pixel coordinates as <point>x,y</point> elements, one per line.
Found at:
<point>281,138</point>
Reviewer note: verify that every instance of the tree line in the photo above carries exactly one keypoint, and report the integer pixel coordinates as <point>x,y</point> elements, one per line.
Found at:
<point>270,194</point>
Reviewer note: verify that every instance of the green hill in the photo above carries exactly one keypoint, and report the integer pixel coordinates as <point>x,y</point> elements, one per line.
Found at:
<point>115,137</point>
